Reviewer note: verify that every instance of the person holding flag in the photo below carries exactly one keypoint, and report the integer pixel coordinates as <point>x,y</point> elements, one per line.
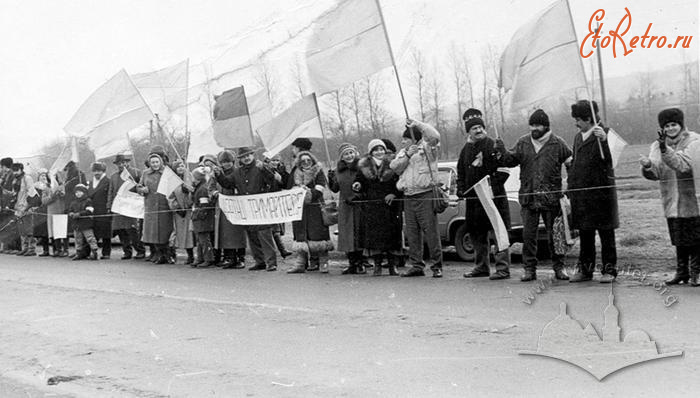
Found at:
<point>591,189</point>
<point>126,228</point>
<point>540,155</point>
<point>477,160</point>
<point>158,219</point>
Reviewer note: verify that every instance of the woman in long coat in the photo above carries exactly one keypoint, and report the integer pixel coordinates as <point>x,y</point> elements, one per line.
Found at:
<point>340,181</point>
<point>380,229</point>
<point>158,219</point>
<point>312,240</point>
<point>231,238</point>
<point>180,202</point>
<point>41,231</point>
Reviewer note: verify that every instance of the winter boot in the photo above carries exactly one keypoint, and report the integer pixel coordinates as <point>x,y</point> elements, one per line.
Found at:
<point>45,248</point>
<point>694,267</point>
<point>280,245</point>
<point>63,247</point>
<point>393,263</point>
<point>323,262</point>
<point>377,259</point>
<point>24,247</point>
<point>31,246</point>
<point>609,273</point>
<point>584,273</point>
<point>93,254</point>
<point>529,274</point>
<point>682,269</point>
<point>190,257</point>
<point>300,262</point>
<point>352,264</point>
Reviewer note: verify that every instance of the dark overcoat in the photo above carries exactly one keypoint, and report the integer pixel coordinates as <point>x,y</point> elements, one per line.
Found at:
<point>340,182</point>
<point>158,219</point>
<point>477,160</point>
<point>592,208</point>
<point>204,208</point>
<point>381,224</point>
<point>230,236</point>
<point>102,222</point>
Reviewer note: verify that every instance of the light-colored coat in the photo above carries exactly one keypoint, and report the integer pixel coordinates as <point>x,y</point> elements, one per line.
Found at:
<point>414,174</point>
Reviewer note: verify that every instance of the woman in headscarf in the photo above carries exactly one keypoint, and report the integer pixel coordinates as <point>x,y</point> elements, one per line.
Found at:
<point>181,202</point>
<point>340,181</point>
<point>375,186</point>
<point>312,241</point>
<point>158,218</point>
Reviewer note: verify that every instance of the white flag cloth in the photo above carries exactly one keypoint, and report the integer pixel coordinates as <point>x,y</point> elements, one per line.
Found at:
<point>299,120</point>
<point>108,114</point>
<point>128,204</point>
<point>169,181</point>
<point>542,59</point>
<point>617,144</point>
<point>58,226</point>
<point>347,45</point>
<point>165,92</point>
<point>485,194</point>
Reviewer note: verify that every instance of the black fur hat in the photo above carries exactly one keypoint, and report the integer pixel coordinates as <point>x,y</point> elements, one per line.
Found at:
<point>671,115</point>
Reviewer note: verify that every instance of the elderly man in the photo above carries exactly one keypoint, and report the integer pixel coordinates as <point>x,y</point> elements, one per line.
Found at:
<point>98,192</point>
<point>419,153</point>
<point>540,155</point>
<point>126,228</point>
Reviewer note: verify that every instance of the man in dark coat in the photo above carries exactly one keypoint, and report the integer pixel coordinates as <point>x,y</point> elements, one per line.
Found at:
<point>250,178</point>
<point>591,184</point>
<point>98,192</point>
<point>10,241</point>
<point>230,238</point>
<point>540,155</point>
<point>74,176</point>
<point>203,217</point>
<point>477,160</point>
<point>126,228</point>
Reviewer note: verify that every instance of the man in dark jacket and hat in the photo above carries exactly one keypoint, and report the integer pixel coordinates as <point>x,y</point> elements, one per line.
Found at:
<point>477,160</point>
<point>98,192</point>
<point>591,184</point>
<point>126,228</point>
<point>540,155</point>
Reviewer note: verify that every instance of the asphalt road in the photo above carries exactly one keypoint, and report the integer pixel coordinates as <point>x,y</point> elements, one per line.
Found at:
<point>132,329</point>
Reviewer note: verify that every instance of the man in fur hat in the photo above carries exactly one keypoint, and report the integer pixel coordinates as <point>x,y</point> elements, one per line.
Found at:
<point>591,189</point>
<point>540,155</point>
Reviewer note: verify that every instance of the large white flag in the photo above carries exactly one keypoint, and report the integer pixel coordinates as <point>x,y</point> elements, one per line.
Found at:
<point>299,120</point>
<point>542,59</point>
<point>165,92</point>
<point>347,45</point>
<point>485,194</point>
<point>169,181</point>
<point>108,114</point>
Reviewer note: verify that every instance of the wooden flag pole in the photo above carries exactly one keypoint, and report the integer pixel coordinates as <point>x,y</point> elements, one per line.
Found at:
<point>187,116</point>
<point>393,61</point>
<point>323,132</point>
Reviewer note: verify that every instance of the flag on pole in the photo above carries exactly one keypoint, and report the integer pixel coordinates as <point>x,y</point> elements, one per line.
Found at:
<point>169,181</point>
<point>165,92</point>
<point>485,194</point>
<point>108,114</point>
<point>260,108</point>
<point>542,59</point>
<point>299,120</point>
<point>348,44</point>
<point>616,144</point>
<point>231,119</point>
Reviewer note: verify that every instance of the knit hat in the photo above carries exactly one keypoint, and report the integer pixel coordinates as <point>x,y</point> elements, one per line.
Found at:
<point>375,143</point>
<point>81,187</point>
<point>671,115</point>
<point>390,147</point>
<point>98,166</point>
<point>539,117</point>
<point>208,157</point>
<point>302,143</point>
<point>226,156</point>
<point>7,162</point>
<point>245,151</point>
<point>344,147</point>
<point>582,110</point>
<point>417,135</point>
<point>472,117</point>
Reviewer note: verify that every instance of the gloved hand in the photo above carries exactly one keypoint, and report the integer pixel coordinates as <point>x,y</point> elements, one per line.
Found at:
<point>661,140</point>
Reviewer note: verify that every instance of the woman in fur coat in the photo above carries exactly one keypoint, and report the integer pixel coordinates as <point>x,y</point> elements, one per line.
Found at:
<point>380,229</point>
<point>311,237</point>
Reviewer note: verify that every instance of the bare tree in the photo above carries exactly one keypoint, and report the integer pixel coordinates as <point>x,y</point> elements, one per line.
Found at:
<point>375,102</point>
<point>341,120</point>
<point>418,76</point>
<point>356,106</point>
<point>266,80</point>
<point>461,77</point>
<point>298,78</point>
<point>491,70</point>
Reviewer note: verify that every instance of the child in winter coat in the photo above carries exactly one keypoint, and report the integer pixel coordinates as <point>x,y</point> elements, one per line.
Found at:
<point>80,211</point>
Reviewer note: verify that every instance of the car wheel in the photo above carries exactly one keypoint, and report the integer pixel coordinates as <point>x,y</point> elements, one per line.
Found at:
<point>463,244</point>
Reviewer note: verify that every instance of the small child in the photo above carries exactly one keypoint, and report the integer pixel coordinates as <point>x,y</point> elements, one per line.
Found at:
<point>80,210</point>
<point>203,218</point>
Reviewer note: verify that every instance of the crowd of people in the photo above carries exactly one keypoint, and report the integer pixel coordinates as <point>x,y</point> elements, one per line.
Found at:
<point>386,197</point>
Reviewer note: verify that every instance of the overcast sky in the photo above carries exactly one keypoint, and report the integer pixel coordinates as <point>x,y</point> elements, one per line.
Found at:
<point>53,54</point>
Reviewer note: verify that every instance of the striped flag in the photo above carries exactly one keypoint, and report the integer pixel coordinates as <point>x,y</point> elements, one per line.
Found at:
<point>347,45</point>
<point>485,194</point>
<point>231,119</point>
<point>299,120</point>
<point>169,181</point>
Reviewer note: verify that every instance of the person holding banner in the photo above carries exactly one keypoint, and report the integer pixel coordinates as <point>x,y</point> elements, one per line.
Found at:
<point>591,189</point>
<point>477,160</point>
<point>379,231</point>
<point>413,163</point>
<point>540,155</point>
<point>180,202</point>
<point>312,240</point>
<point>672,159</point>
<point>231,238</point>
<point>158,219</point>
<point>340,181</point>
<point>126,228</point>
<point>98,191</point>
